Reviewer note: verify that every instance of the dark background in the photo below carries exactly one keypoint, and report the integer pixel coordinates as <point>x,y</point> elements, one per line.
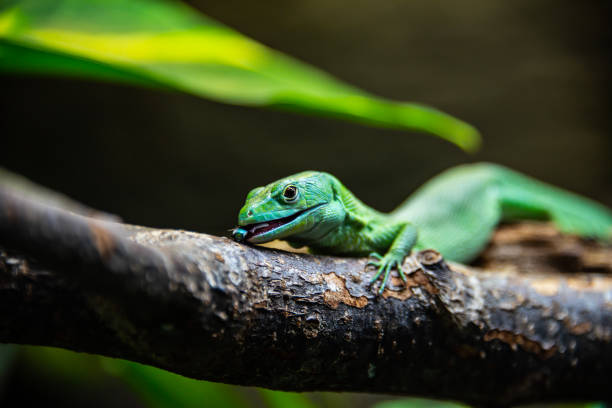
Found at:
<point>533,76</point>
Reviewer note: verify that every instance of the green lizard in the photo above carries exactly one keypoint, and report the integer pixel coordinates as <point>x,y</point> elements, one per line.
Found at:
<point>454,213</point>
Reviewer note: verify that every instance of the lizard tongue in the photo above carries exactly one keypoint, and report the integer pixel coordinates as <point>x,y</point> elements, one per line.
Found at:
<point>262,227</point>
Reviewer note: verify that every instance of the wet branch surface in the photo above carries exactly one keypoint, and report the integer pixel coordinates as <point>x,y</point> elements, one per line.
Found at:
<point>532,323</point>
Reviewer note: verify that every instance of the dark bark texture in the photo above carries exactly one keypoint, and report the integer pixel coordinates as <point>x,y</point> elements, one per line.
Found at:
<point>532,321</point>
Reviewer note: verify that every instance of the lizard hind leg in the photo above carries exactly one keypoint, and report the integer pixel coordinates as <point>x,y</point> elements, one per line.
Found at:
<point>457,211</point>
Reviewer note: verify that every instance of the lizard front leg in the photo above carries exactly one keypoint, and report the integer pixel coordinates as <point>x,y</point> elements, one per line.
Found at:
<point>399,249</point>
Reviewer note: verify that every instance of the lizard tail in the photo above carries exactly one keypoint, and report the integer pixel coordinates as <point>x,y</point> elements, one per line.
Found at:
<point>522,197</point>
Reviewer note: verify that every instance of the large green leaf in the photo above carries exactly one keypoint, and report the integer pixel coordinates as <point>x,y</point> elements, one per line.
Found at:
<point>164,43</point>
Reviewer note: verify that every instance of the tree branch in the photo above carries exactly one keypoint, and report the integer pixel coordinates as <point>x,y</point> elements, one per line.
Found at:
<point>522,330</point>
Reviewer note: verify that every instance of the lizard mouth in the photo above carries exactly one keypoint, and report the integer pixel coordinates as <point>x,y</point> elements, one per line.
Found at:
<point>260,228</point>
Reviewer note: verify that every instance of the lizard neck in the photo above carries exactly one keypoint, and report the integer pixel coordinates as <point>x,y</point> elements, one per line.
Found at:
<point>352,233</point>
<point>358,214</point>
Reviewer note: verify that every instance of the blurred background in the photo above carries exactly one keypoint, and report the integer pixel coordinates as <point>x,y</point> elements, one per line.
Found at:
<point>532,75</point>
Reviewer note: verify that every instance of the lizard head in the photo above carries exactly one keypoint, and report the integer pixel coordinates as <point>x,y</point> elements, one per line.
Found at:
<point>303,206</point>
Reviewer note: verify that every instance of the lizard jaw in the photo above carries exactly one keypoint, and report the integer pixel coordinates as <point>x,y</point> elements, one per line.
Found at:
<point>268,230</point>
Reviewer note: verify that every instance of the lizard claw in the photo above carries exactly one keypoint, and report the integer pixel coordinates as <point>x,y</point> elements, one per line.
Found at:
<point>385,264</point>
<point>400,271</point>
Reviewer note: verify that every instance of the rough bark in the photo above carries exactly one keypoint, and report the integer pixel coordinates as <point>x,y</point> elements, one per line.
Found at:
<point>532,323</point>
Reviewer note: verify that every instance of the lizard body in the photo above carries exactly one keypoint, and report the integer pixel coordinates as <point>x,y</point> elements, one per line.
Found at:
<point>454,213</point>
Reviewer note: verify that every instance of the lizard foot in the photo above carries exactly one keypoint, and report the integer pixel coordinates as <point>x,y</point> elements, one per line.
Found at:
<point>385,264</point>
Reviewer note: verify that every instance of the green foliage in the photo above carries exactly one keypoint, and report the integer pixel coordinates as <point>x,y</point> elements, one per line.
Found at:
<point>163,43</point>
<point>157,388</point>
<point>279,399</point>
<point>418,403</point>
<point>162,389</point>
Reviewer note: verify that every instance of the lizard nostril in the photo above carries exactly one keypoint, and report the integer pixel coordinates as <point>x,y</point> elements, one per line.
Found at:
<point>250,213</point>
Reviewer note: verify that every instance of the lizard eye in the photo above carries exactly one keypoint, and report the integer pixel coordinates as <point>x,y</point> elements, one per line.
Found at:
<point>290,193</point>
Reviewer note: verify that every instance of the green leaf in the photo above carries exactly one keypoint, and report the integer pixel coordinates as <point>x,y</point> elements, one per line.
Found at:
<point>163,389</point>
<point>280,399</point>
<point>156,387</point>
<point>418,403</point>
<point>162,43</point>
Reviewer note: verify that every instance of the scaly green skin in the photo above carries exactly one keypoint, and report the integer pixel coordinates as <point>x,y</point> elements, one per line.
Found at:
<point>454,213</point>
